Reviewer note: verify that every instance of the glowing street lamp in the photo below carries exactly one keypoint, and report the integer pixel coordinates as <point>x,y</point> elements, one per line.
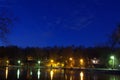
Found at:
<point>51,61</point>
<point>71,62</point>
<point>113,60</point>
<point>39,62</point>
<point>112,57</point>
<point>81,61</point>
<point>19,61</point>
<point>70,59</point>
<point>7,62</point>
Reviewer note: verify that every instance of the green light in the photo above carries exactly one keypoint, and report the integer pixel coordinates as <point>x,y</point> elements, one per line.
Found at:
<point>112,57</point>
<point>19,61</point>
<point>113,61</point>
<point>39,62</point>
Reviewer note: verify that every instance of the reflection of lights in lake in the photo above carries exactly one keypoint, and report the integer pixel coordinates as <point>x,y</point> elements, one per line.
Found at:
<point>113,77</point>
<point>70,77</point>
<point>18,73</point>
<point>38,73</point>
<point>6,73</point>
<point>65,77</point>
<point>51,74</point>
<point>31,72</point>
<point>81,75</point>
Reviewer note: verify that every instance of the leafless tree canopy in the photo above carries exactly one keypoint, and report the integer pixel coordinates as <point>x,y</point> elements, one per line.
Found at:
<point>6,20</point>
<point>115,37</point>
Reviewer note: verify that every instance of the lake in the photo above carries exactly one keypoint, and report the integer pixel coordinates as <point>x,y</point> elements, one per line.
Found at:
<point>52,74</point>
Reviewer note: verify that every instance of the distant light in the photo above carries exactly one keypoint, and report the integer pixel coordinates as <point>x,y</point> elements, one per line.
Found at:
<point>51,61</point>
<point>7,61</point>
<point>19,61</point>
<point>95,61</point>
<point>112,57</point>
<point>62,65</point>
<point>119,65</point>
<point>70,59</point>
<point>39,62</point>
<point>81,61</point>
<point>113,61</point>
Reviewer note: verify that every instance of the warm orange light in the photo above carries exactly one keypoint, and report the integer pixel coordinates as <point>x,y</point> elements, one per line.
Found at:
<point>51,74</point>
<point>7,61</point>
<point>58,63</point>
<point>81,75</point>
<point>62,65</point>
<point>81,61</point>
<point>70,59</point>
<point>6,73</point>
<point>51,61</point>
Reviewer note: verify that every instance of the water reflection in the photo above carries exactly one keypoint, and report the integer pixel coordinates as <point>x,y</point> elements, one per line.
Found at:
<point>81,75</point>
<point>65,77</point>
<point>38,73</point>
<point>51,74</point>
<point>70,77</point>
<point>6,72</point>
<point>29,73</point>
<point>95,77</point>
<point>113,77</point>
<point>18,73</point>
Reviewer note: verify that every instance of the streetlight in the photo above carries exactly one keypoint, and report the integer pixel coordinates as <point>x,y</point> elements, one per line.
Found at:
<point>19,61</point>
<point>7,62</point>
<point>81,61</point>
<point>39,62</point>
<point>51,60</point>
<point>113,60</point>
<point>70,59</point>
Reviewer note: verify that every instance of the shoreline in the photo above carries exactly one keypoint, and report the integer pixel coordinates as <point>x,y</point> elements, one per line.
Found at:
<point>91,70</point>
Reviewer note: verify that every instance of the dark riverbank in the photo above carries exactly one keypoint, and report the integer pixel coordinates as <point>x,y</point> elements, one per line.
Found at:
<point>96,70</point>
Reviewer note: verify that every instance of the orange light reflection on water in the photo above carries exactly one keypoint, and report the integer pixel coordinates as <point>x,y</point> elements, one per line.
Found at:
<point>6,72</point>
<point>81,75</point>
<point>51,74</point>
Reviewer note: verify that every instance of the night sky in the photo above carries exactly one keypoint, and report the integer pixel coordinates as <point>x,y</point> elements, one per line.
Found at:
<point>45,23</point>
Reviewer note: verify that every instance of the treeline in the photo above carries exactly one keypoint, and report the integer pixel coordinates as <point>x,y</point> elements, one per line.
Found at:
<point>13,52</point>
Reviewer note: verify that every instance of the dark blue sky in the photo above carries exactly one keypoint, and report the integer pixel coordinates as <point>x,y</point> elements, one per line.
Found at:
<point>62,22</point>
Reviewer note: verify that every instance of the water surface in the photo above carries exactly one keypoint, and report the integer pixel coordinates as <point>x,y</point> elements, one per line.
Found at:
<point>52,74</point>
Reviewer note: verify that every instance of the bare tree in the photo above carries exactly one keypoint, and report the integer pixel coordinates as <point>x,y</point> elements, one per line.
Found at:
<point>6,20</point>
<point>115,37</point>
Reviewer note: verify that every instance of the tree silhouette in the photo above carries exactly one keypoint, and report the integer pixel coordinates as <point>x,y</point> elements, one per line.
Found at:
<point>6,20</point>
<point>115,37</point>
